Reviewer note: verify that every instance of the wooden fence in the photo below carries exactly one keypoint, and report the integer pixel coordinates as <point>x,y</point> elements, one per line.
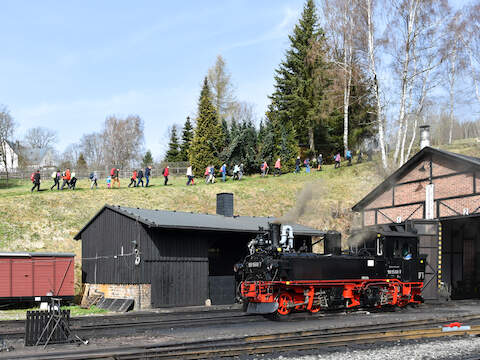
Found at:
<point>35,325</point>
<point>178,168</point>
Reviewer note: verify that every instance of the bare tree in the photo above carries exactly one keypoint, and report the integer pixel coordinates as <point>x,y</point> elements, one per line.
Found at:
<point>123,140</point>
<point>453,53</point>
<point>221,89</point>
<point>341,21</point>
<point>7,127</point>
<point>244,112</point>
<point>40,138</point>
<point>70,155</point>
<point>91,145</point>
<point>469,36</point>
<point>367,8</point>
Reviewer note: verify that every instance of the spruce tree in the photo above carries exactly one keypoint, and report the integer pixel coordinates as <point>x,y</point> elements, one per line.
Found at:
<point>173,152</point>
<point>147,159</point>
<point>207,141</point>
<point>187,137</point>
<point>300,79</point>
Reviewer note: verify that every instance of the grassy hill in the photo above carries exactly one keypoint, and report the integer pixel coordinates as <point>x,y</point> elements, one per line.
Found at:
<point>48,220</point>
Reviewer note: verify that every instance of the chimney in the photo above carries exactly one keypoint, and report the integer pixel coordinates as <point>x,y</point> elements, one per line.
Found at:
<point>424,136</point>
<point>225,204</point>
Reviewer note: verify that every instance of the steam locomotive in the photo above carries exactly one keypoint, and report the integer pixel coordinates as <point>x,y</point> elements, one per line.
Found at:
<point>381,268</point>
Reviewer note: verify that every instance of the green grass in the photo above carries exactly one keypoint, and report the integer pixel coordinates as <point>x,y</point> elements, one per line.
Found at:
<point>75,310</point>
<point>48,220</point>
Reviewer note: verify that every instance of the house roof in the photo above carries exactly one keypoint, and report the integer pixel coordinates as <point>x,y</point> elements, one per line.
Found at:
<point>469,162</point>
<point>36,156</point>
<point>194,221</point>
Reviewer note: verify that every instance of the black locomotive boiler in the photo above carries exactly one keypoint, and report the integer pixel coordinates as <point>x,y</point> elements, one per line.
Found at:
<point>382,267</point>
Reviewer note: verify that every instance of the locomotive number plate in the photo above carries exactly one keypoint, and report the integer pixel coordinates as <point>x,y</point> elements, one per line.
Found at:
<point>254,264</point>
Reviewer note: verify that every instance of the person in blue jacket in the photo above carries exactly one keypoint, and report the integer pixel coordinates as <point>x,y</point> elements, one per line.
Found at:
<point>348,156</point>
<point>148,170</point>
<point>223,170</point>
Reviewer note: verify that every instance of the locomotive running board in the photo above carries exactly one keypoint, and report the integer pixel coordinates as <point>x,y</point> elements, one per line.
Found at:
<point>262,308</point>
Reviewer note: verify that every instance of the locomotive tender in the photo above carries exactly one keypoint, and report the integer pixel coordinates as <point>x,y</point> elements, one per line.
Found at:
<point>381,268</point>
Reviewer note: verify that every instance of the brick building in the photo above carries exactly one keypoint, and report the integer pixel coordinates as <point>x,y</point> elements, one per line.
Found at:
<point>438,193</point>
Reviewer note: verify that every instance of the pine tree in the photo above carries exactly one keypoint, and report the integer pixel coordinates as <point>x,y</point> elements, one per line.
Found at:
<point>173,152</point>
<point>147,159</point>
<point>207,141</point>
<point>300,80</point>
<point>187,137</point>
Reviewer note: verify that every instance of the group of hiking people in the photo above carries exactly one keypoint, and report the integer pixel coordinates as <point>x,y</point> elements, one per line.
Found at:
<point>68,178</point>
<point>209,174</point>
<point>137,176</point>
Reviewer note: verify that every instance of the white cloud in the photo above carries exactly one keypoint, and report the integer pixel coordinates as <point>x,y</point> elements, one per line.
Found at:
<point>281,30</point>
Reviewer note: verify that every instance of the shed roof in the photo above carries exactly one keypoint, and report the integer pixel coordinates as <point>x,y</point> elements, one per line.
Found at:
<point>426,152</point>
<point>194,221</point>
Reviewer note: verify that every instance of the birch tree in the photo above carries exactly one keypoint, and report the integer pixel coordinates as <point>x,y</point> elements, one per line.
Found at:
<point>341,23</point>
<point>367,8</point>
<point>471,43</point>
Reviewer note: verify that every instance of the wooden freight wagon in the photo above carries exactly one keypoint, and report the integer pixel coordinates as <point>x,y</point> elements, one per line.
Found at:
<point>27,277</point>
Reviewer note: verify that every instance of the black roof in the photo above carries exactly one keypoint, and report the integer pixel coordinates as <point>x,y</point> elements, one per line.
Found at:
<point>194,221</point>
<point>426,152</point>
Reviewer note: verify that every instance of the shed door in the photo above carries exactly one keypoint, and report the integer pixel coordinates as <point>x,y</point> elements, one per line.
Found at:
<point>180,283</point>
<point>428,236</point>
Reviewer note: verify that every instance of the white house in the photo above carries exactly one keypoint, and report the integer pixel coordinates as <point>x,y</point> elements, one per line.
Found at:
<point>12,157</point>
<point>39,158</point>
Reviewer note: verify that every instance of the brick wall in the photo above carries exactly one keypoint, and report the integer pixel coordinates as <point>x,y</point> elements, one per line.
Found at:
<point>408,193</point>
<point>453,186</point>
<point>383,200</point>
<point>140,293</point>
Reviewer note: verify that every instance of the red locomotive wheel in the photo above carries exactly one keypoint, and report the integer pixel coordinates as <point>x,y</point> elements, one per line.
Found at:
<point>284,300</point>
<point>315,309</point>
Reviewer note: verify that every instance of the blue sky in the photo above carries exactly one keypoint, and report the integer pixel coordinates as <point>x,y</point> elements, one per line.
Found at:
<point>67,65</point>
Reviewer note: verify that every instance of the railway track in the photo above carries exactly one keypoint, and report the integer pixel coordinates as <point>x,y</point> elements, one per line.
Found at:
<point>272,343</point>
<point>124,326</point>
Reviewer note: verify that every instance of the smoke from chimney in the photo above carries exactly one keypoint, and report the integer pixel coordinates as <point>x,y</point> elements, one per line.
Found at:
<point>424,136</point>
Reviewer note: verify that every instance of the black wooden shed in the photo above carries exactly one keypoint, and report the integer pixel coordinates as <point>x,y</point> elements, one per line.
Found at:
<point>184,258</point>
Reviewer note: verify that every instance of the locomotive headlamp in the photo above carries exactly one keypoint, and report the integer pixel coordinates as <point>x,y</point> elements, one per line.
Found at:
<point>279,249</point>
<point>421,261</point>
<point>379,235</point>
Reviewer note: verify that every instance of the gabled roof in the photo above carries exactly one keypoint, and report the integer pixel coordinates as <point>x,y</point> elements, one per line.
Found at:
<point>199,222</point>
<point>426,152</point>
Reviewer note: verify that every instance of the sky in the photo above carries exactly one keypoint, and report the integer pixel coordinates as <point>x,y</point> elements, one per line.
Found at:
<point>68,65</point>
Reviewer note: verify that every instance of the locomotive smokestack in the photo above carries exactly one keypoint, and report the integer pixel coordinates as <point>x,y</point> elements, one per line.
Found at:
<point>424,136</point>
<point>275,233</point>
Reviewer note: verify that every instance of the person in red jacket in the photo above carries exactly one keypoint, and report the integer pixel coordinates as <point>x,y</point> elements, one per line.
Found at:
<point>133,179</point>
<point>278,168</point>
<point>166,172</point>
<point>66,178</point>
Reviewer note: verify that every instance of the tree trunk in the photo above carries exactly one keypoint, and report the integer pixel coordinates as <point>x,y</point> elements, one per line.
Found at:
<point>373,73</point>
<point>311,139</point>
<point>452,85</point>
<point>406,62</point>
<point>347,62</point>
<point>415,123</point>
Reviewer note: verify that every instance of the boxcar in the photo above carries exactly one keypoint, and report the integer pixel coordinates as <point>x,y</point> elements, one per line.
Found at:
<point>27,277</point>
